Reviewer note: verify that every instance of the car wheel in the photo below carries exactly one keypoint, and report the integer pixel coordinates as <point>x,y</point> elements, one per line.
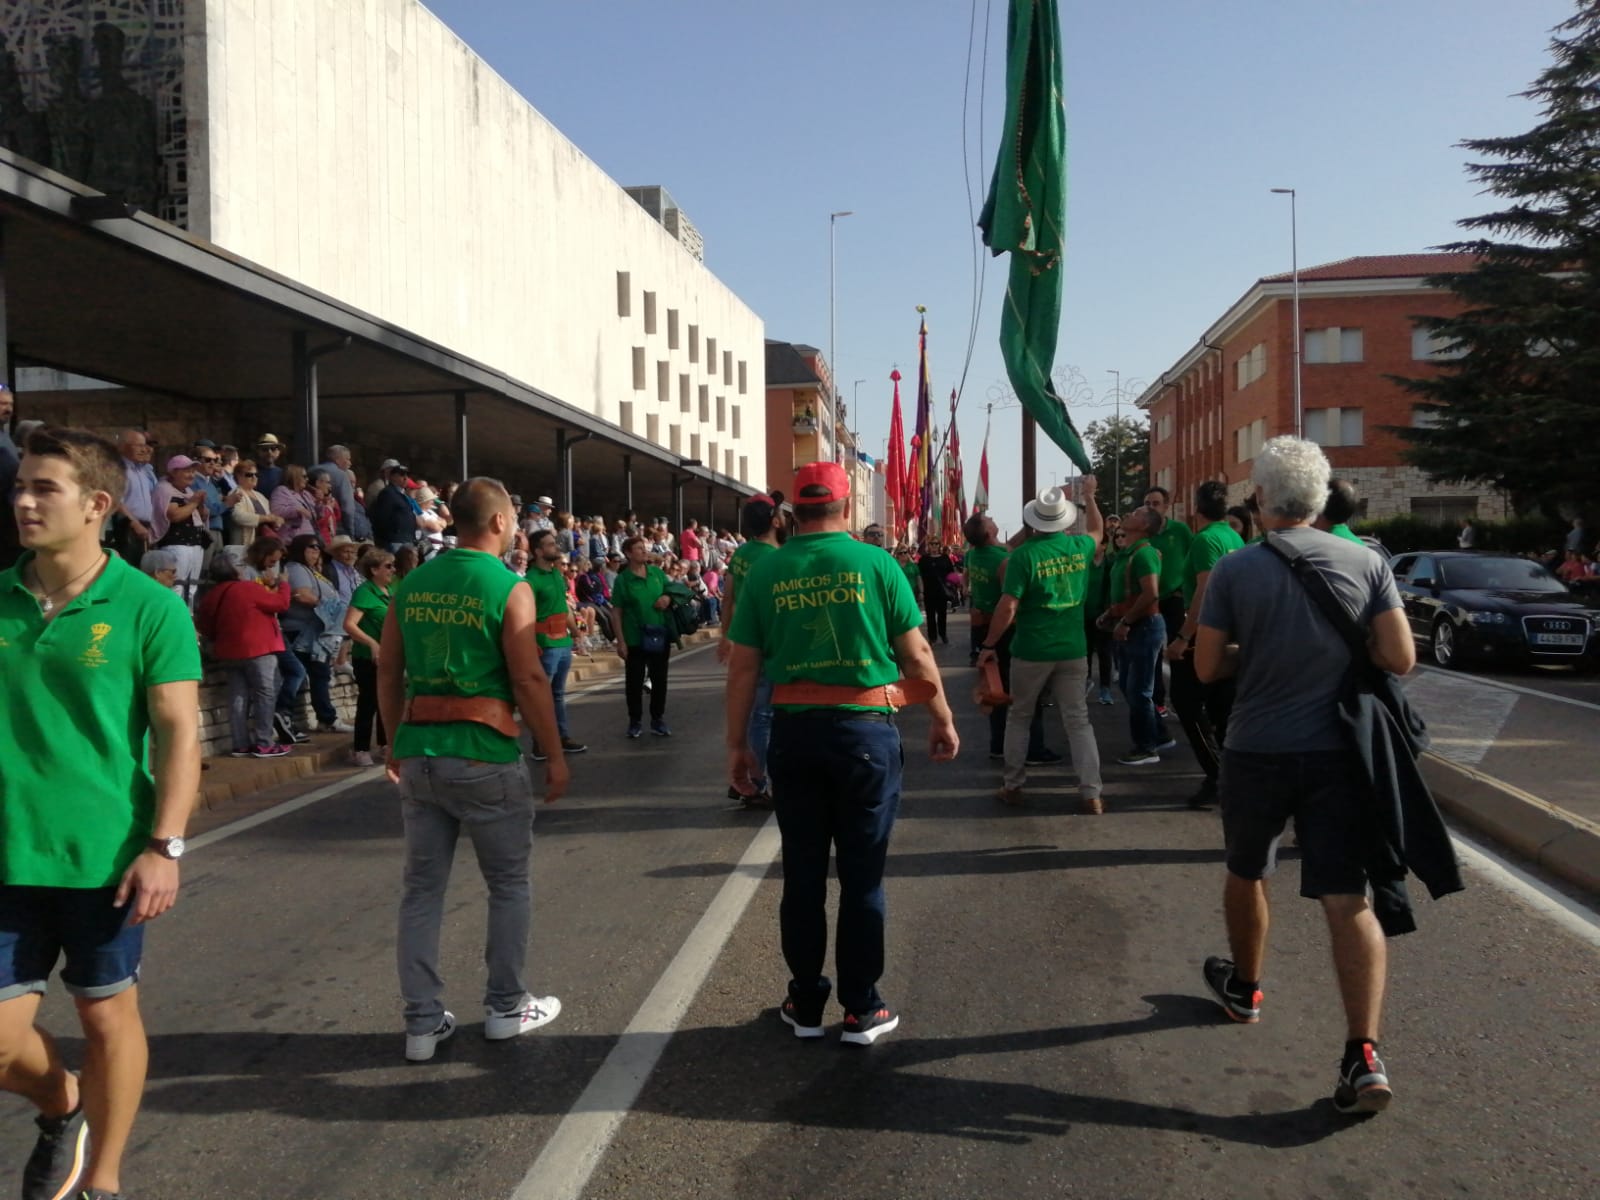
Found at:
<point>1445,646</point>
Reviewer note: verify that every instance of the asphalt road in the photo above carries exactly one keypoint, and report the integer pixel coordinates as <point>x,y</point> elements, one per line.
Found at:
<point>1054,1040</point>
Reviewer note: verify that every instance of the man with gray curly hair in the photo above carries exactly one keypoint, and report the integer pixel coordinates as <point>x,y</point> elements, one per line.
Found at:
<point>1285,754</point>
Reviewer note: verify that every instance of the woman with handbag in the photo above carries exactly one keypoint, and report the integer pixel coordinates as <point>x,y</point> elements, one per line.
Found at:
<point>179,523</point>
<point>638,625</point>
<point>314,626</point>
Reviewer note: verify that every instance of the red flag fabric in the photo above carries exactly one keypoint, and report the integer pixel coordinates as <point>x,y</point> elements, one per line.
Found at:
<point>980,498</point>
<point>894,476</point>
<point>925,464</point>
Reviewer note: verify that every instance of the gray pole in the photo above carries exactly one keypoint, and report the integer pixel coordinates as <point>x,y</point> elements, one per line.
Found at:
<point>1116,487</point>
<point>833,366</point>
<point>1294,269</point>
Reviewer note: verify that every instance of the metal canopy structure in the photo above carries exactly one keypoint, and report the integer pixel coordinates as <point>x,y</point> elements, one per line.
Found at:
<point>139,303</point>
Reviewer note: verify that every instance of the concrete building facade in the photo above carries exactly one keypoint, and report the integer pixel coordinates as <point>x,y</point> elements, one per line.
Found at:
<point>1213,408</point>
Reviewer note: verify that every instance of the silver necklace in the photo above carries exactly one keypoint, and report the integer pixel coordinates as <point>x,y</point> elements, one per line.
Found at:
<point>46,604</point>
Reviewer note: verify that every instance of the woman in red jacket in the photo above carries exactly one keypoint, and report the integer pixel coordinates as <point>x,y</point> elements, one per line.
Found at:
<point>241,619</point>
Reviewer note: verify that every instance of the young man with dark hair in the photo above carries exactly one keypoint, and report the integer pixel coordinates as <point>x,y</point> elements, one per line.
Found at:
<point>1172,543</point>
<point>1140,632</point>
<point>97,660</point>
<point>1203,708</point>
<point>833,623</point>
<point>553,629</point>
<point>1339,510</point>
<point>764,528</point>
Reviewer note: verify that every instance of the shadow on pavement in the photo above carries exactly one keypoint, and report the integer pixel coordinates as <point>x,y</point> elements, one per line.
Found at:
<point>998,860</point>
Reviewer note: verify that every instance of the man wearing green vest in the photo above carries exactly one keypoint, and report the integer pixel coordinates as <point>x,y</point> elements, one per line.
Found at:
<point>1046,581</point>
<point>552,629</point>
<point>1172,543</point>
<point>101,683</point>
<point>1203,708</point>
<point>764,529</point>
<point>833,623</point>
<point>458,661</point>
<point>985,568</point>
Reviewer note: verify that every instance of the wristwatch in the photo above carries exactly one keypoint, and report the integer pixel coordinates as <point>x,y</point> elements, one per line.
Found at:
<point>167,847</point>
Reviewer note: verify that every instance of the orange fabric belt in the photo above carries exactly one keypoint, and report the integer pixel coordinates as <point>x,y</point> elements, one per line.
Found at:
<point>990,692</point>
<point>896,695</point>
<point>497,714</point>
<point>552,626</point>
<point>979,617</point>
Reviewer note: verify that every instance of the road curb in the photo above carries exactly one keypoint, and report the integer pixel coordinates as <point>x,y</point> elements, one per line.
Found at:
<point>1562,843</point>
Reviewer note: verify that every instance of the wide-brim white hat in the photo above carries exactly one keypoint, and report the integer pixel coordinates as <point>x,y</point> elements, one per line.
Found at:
<point>1051,512</point>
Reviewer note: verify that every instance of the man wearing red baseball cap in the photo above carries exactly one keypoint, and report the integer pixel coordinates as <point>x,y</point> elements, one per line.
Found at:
<point>835,626</point>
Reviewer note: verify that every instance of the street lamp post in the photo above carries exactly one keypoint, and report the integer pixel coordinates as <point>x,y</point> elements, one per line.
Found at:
<point>1116,442</point>
<point>1294,268</point>
<point>833,274</point>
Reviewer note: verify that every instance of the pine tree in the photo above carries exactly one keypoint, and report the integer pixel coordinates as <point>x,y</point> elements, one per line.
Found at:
<point>1518,405</point>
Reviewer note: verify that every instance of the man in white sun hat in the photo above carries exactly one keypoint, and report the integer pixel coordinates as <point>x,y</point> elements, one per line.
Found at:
<point>1042,591</point>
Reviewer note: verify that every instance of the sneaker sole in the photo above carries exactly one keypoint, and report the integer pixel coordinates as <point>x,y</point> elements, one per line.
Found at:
<point>424,1053</point>
<point>1138,762</point>
<point>1374,1099</point>
<point>867,1037</point>
<point>552,1010</point>
<point>802,1031</point>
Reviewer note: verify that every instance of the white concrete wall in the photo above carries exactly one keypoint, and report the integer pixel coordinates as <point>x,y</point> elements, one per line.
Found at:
<point>362,148</point>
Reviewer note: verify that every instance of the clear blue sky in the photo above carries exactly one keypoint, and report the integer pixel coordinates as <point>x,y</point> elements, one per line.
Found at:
<point>762,118</point>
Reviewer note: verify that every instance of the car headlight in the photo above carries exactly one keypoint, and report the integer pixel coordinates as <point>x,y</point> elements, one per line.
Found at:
<point>1489,618</point>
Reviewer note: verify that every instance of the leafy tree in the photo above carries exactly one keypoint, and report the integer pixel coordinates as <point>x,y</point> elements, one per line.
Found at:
<point>1132,435</point>
<point>1517,407</point>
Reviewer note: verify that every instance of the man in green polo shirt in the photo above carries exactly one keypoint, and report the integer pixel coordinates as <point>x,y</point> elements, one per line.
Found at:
<point>1140,634</point>
<point>1203,708</point>
<point>985,569</point>
<point>458,660</point>
<point>1046,582</point>
<point>553,628</point>
<point>101,677</point>
<point>1341,508</point>
<point>832,622</point>
<point>764,527</point>
<point>1172,543</point>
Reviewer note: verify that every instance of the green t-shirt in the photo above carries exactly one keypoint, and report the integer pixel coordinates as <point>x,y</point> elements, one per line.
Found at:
<point>373,605</point>
<point>77,800</point>
<point>451,611</point>
<point>636,598</point>
<point>826,609</point>
<point>745,557</point>
<point>1173,544</point>
<point>1094,596</point>
<point>1125,576</point>
<point>1343,530</point>
<point>1205,551</point>
<point>1049,576</point>
<point>983,565</point>
<point>549,598</point>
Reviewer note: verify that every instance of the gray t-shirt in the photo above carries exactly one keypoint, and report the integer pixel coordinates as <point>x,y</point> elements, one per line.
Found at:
<point>1291,660</point>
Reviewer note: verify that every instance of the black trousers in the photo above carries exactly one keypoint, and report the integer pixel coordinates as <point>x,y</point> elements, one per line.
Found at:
<point>937,604</point>
<point>1100,647</point>
<point>367,714</point>
<point>638,662</point>
<point>1203,710</point>
<point>1172,613</point>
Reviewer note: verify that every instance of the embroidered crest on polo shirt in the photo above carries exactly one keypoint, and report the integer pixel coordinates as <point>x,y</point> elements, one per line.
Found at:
<point>94,654</point>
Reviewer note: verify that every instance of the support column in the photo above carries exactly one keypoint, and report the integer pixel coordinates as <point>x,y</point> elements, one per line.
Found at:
<point>711,507</point>
<point>677,503</point>
<point>627,483</point>
<point>8,362</point>
<point>1030,457</point>
<point>559,491</point>
<point>462,471</point>
<point>305,402</point>
<point>567,445</point>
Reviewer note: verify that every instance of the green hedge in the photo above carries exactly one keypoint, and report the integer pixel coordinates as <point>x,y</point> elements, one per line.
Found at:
<point>1519,535</point>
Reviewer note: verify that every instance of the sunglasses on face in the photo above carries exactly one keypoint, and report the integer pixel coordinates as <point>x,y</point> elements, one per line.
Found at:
<point>247,474</point>
<point>209,460</point>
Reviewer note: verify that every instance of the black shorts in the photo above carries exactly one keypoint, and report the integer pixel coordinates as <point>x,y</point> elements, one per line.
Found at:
<point>1322,790</point>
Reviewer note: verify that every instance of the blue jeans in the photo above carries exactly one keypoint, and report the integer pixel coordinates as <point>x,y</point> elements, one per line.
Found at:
<point>1141,658</point>
<point>38,925</point>
<point>557,662</point>
<point>835,786</point>
<point>758,731</point>
<point>291,678</point>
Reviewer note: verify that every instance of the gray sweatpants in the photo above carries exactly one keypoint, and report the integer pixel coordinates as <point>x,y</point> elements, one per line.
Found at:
<point>252,689</point>
<point>493,802</point>
<point>1066,680</point>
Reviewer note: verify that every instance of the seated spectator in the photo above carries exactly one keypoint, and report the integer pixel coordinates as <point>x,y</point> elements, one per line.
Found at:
<point>292,501</point>
<point>584,614</point>
<point>160,565</point>
<point>609,573</point>
<point>240,619</point>
<point>250,513</point>
<point>363,621</point>
<point>517,561</point>
<point>597,542</point>
<point>710,608</point>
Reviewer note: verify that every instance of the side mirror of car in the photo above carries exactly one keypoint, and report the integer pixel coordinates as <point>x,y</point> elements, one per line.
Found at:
<point>1426,581</point>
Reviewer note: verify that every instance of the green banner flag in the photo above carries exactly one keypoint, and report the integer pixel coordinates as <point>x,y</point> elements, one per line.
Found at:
<point>1025,215</point>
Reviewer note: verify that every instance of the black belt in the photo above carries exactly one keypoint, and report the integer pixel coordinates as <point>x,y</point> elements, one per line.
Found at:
<point>835,714</point>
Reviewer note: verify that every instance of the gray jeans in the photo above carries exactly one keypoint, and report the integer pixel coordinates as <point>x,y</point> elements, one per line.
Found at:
<point>493,802</point>
<point>1066,680</point>
<point>252,691</point>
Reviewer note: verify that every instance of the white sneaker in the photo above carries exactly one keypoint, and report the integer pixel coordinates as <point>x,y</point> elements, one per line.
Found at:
<point>337,727</point>
<point>361,758</point>
<point>533,1012</point>
<point>420,1046</point>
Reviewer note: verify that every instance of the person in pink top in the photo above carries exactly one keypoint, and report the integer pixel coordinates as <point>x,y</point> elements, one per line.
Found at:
<point>689,541</point>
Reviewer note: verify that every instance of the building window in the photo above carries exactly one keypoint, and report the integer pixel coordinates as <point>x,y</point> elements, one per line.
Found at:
<point>1427,346</point>
<point>1333,345</point>
<point>1251,366</point>
<point>1444,508</point>
<point>672,329</point>
<point>649,312</point>
<point>722,413</point>
<point>1164,427</point>
<point>675,438</point>
<point>1334,426</point>
<point>727,366</point>
<point>652,428</point>
<point>694,445</point>
<point>705,403</point>
<point>727,465</point>
<point>744,467</point>
<point>625,415</point>
<point>624,294</point>
<point>684,401</point>
<point>743,376</point>
<point>1248,439</point>
<point>735,430</point>
<point>638,369</point>
<point>694,343</point>
<point>663,381</point>
<point>711,355</point>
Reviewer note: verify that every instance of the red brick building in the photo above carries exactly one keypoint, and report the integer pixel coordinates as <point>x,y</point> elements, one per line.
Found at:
<point>1211,410</point>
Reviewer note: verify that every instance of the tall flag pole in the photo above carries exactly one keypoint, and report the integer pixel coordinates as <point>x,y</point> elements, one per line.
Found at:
<point>980,497</point>
<point>895,469</point>
<point>1025,215</point>
<point>924,428</point>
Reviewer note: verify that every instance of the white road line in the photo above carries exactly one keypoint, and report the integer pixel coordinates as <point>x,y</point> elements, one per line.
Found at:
<point>1512,687</point>
<point>569,1158</point>
<point>1572,916</point>
<point>244,824</point>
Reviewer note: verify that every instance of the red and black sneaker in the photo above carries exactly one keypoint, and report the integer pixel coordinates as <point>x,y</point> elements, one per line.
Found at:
<point>802,1009</point>
<point>1363,1082</point>
<point>1240,1003</point>
<point>862,1029</point>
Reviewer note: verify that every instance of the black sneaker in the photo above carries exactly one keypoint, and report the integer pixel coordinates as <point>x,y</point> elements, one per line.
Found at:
<point>1223,980</point>
<point>1205,797</point>
<point>634,729</point>
<point>571,746</point>
<point>59,1156</point>
<point>802,1013</point>
<point>862,1029</point>
<point>1363,1083</point>
<point>659,729</point>
<point>538,755</point>
<point>1045,758</point>
<point>1138,757</point>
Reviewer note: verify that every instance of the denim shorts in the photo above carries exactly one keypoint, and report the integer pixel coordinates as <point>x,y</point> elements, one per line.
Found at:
<point>38,925</point>
<point>1321,791</point>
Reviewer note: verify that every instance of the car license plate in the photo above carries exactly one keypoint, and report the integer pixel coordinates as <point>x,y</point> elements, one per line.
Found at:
<point>1558,639</point>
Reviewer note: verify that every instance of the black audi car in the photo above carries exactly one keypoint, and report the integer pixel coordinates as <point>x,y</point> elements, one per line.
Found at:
<point>1468,607</point>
